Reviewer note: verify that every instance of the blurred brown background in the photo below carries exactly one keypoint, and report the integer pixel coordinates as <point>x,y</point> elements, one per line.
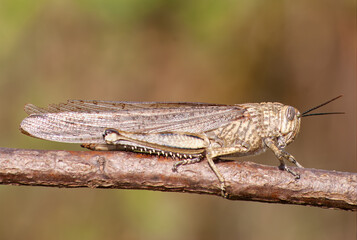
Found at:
<point>295,52</point>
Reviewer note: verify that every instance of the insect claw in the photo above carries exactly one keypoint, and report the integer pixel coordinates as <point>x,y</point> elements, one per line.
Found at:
<point>176,165</point>
<point>223,190</point>
<point>285,168</point>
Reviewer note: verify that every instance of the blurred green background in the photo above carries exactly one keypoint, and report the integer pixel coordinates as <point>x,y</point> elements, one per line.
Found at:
<point>295,52</point>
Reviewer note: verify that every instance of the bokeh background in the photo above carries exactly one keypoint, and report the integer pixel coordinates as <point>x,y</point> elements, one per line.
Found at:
<point>295,52</point>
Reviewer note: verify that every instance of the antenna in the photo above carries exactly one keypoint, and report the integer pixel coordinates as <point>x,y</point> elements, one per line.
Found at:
<point>304,114</point>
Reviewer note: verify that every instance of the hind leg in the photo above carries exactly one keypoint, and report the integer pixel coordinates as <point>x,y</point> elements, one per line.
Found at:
<point>185,162</point>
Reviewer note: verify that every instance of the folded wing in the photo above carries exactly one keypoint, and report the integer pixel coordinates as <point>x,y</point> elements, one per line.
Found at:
<point>80,121</point>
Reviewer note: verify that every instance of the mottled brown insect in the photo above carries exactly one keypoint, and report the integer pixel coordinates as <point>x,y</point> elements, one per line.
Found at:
<point>187,131</point>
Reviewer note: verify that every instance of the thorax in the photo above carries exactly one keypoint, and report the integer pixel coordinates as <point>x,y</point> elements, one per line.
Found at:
<point>259,120</point>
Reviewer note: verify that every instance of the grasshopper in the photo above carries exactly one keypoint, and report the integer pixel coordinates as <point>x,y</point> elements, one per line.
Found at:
<point>188,132</point>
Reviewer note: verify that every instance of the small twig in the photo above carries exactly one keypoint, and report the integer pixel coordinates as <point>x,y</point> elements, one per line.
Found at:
<point>125,170</point>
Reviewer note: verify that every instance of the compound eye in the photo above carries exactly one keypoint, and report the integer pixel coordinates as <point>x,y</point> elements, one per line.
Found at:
<point>290,113</point>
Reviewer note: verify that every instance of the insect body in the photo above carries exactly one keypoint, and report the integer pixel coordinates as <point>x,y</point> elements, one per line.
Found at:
<point>188,131</point>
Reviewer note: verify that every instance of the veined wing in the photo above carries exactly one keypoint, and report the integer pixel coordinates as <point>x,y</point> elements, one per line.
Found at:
<point>96,106</point>
<point>85,121</point>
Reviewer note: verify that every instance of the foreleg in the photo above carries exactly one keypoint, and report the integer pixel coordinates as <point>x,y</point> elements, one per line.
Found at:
<point>281,155</point>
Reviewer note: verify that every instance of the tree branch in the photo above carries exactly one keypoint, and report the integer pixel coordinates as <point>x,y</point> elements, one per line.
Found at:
<point>126,170</point>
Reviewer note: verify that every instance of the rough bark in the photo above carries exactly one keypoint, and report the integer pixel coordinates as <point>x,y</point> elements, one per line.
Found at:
<point>126,170</point>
